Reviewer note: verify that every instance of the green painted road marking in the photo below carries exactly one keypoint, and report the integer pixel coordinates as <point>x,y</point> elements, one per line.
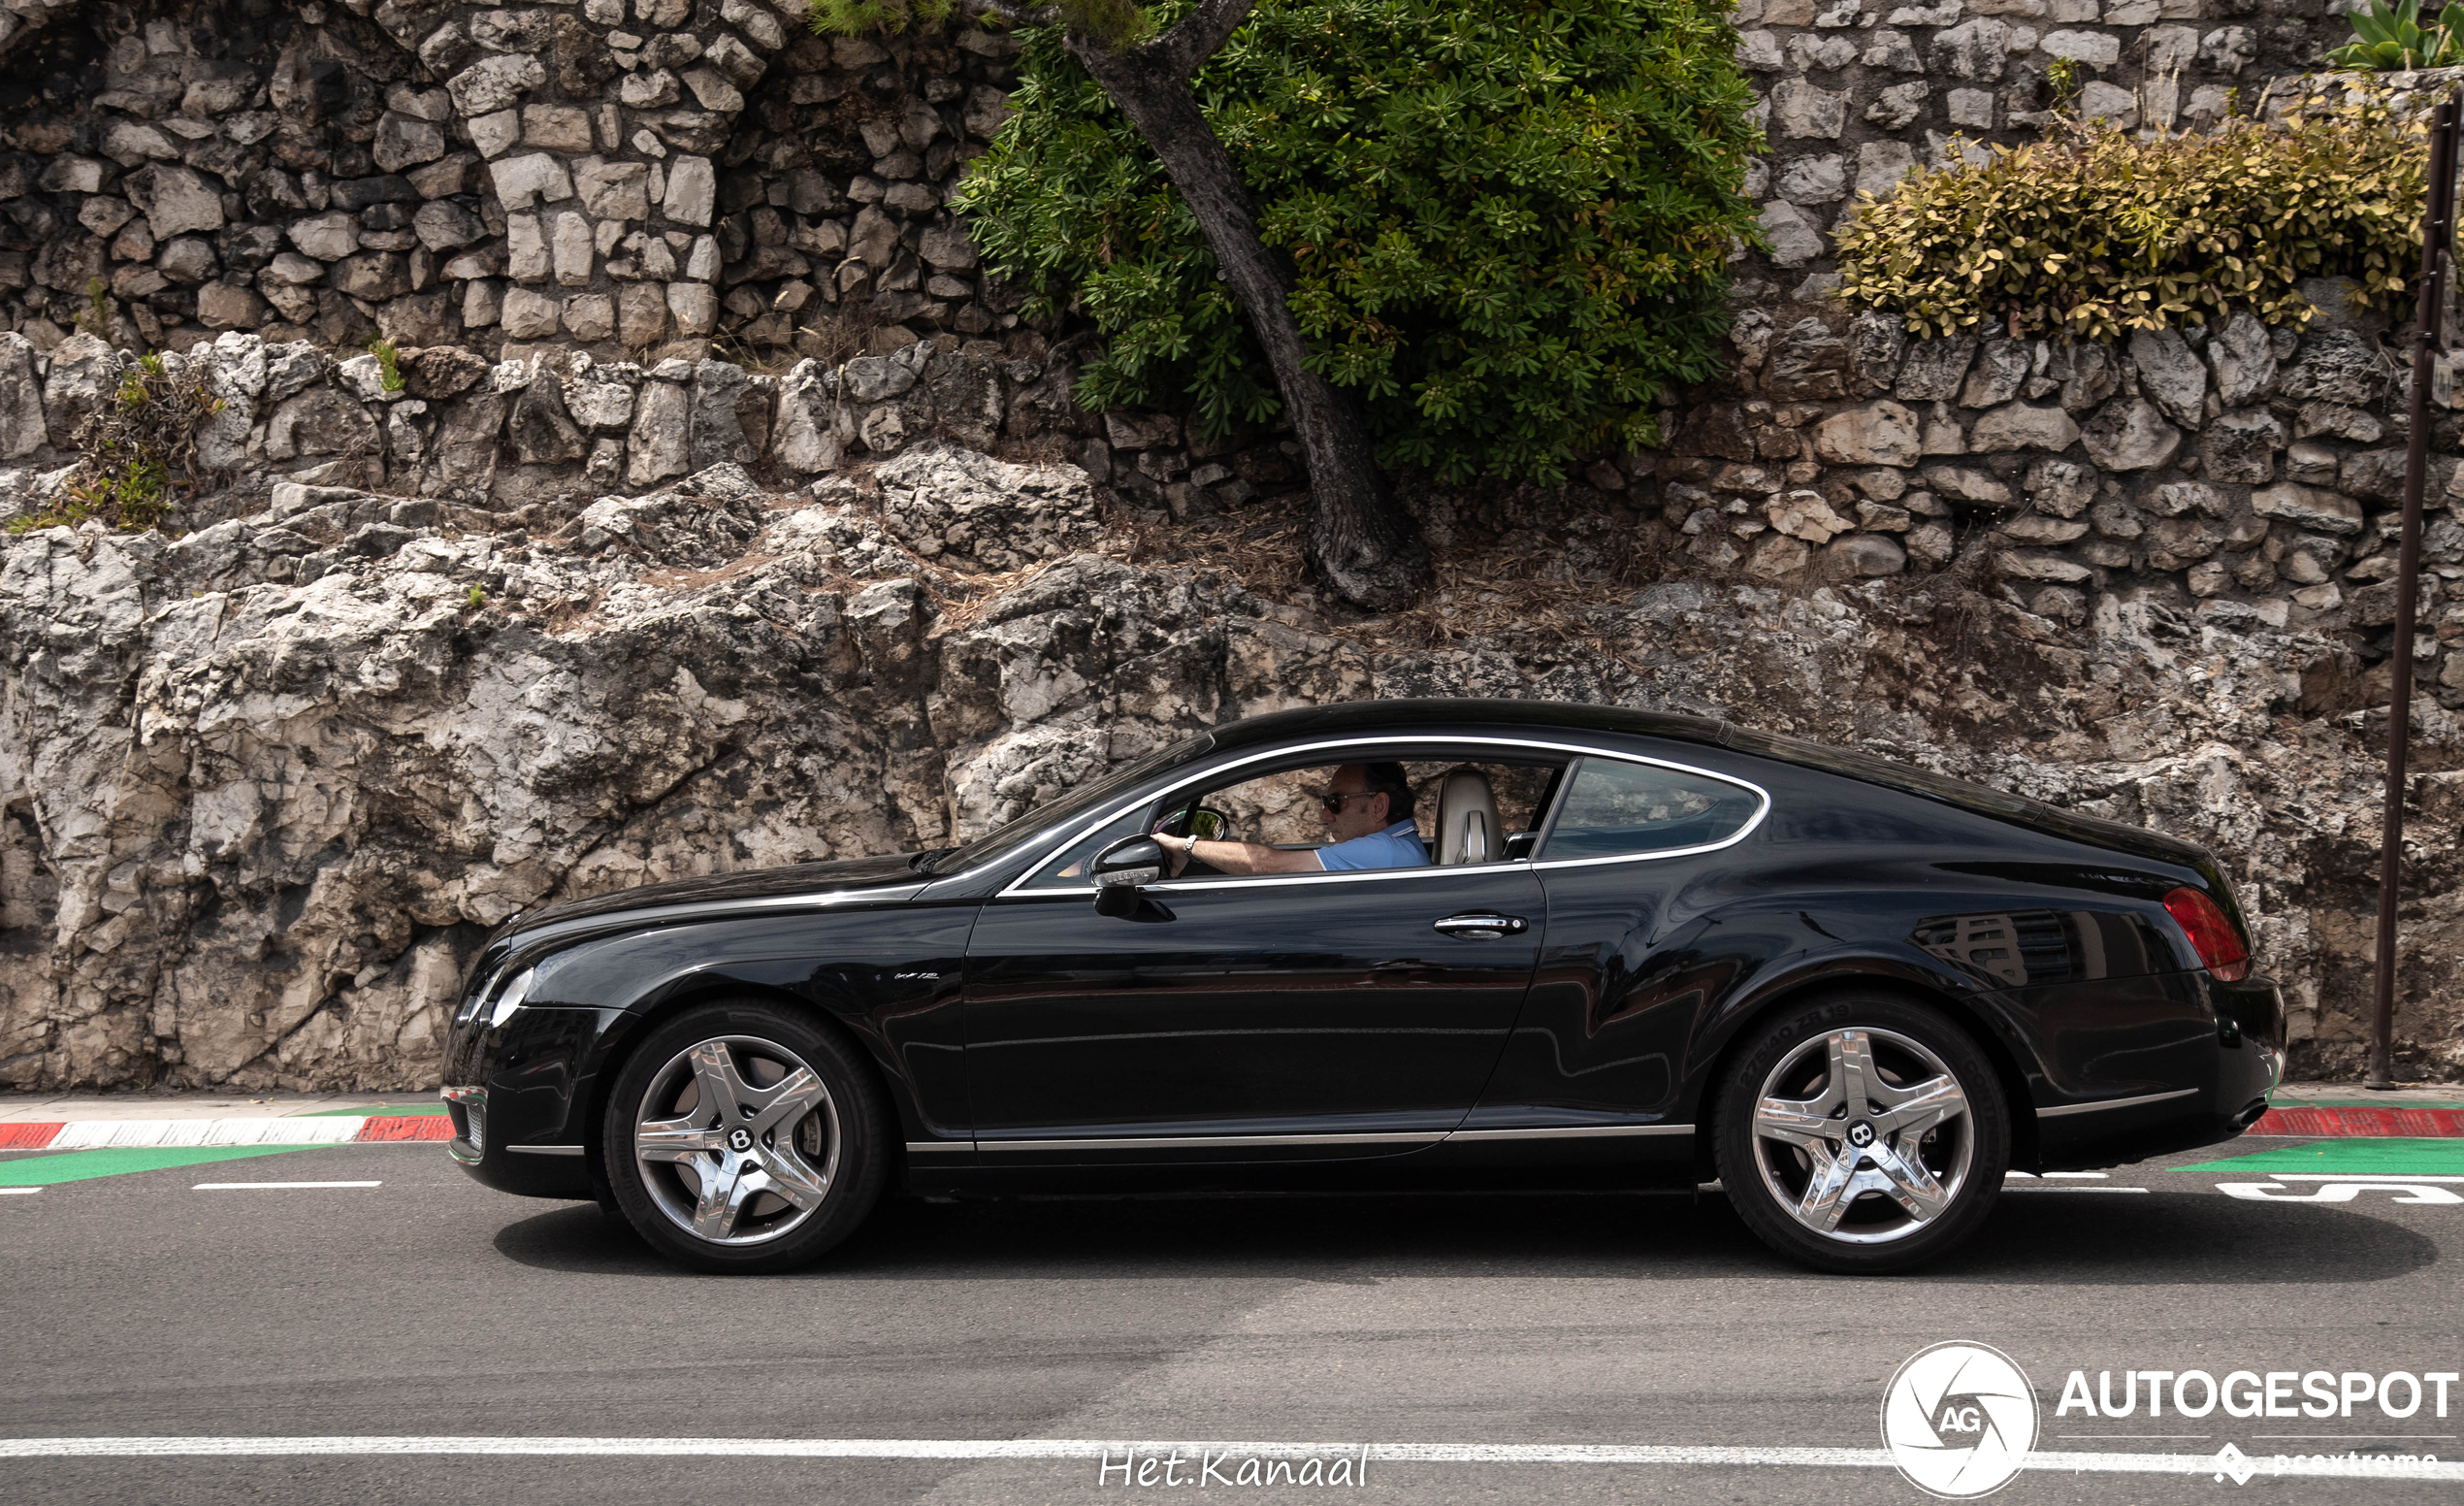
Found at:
<point>85,1166</point>
<point>392,1110</point>
<point>2357,1156</point>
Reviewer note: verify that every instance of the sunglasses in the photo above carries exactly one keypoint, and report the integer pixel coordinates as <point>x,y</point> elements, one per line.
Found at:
<point>1329,800</point>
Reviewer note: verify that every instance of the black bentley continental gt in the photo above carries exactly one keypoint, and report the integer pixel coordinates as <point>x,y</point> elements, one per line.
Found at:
<point>1394,944</point>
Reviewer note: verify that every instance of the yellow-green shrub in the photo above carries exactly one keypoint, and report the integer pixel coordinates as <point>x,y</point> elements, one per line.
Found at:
<point>2093,232</point>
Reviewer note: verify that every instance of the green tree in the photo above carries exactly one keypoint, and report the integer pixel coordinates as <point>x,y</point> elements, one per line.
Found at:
<point>1477,239</point>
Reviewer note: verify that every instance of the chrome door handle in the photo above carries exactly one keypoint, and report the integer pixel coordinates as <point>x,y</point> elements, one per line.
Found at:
<point>1481,927</point>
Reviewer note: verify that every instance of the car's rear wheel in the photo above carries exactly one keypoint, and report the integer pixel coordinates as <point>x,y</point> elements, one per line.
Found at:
<point>742,1136</point>
<point>1862,1134</point>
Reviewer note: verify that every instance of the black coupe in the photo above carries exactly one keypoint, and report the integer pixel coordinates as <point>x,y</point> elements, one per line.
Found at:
<point>1406,943</point>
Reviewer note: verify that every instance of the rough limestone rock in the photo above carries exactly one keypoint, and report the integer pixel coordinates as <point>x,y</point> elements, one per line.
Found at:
<point>263,789</point>
<point>1879,434</point>
<point>2171,373</point>
<point>2024,426</point>
<point>2129,434</point>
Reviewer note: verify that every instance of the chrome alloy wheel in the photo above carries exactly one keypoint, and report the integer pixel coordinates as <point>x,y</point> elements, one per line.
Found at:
<point>737,1140</point>
<point>1863,1135</point>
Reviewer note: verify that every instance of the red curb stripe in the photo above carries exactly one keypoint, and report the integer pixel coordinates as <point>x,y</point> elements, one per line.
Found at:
<point>2363,1123</point>
<point>27,1137</point>
<point>405,1126</point>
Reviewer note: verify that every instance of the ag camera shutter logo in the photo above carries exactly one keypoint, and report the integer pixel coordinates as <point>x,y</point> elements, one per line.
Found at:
<point>1958,1420</point>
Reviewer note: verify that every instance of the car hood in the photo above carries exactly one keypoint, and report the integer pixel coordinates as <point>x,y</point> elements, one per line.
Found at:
<point>838,876</point>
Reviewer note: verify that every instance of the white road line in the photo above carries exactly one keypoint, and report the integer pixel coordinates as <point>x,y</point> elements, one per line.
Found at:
<point>234,1187</point>
<point>1092,1450</point>
<point>2068,1189</point>
<point>18,1191</point>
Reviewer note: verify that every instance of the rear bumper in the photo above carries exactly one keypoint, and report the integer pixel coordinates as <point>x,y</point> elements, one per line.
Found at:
<point>2222,1098</point>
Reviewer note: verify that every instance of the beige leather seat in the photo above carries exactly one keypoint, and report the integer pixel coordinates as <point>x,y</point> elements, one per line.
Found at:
<point>1468,827</point>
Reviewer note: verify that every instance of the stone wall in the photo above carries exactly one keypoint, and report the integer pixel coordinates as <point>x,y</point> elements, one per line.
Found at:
<point>519,440</point>
<point>2255,474</point>
<point>610,176</point>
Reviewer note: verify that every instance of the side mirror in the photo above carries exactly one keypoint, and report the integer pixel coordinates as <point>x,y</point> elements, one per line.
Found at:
<point>1121,869</point>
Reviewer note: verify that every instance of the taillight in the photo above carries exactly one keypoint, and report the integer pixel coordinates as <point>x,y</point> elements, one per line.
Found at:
<point>2212,935</point>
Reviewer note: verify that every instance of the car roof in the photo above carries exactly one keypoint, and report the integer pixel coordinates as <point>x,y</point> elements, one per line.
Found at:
<point>1421,713</point>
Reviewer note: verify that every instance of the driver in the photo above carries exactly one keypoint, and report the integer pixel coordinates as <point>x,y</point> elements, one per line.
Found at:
<point>1367,808</point>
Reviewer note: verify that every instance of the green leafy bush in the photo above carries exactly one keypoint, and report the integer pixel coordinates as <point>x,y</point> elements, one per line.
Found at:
<point>1510,223</point>
<point>2385,40</point>
<point>2093,232</point>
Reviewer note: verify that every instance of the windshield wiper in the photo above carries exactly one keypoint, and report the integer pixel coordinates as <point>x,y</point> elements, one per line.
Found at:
<point>924,861</point>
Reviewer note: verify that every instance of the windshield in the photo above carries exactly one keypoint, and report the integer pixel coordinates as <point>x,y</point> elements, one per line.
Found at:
<point>1001,842</point>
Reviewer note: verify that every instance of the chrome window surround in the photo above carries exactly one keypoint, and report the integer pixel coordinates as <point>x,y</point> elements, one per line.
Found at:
<point>1179,886</point>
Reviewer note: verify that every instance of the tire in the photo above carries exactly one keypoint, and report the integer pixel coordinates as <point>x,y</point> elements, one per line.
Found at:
<point>792,1158</point>
<point>1791,1114</point>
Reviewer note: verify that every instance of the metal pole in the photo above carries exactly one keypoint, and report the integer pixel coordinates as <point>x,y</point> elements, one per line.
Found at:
<point>2438,234</point>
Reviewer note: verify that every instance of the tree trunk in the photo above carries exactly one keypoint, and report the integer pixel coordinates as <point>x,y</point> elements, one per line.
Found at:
<point>1365,546</point>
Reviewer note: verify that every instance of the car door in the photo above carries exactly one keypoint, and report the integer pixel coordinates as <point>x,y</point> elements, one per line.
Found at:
<point>1287,1017</point>
<point>1630,966</point>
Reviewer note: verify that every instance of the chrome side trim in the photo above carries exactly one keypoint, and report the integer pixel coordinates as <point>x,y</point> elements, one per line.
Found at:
<point>1237,1141</point>
<point>1571,1132</point>
<point>543,1150</point>
<point>2091,1109</point>
<point>1271,755</point>
<point>927,1146</point>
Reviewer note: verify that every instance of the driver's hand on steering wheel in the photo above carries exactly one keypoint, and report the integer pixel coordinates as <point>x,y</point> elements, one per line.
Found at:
<point>1176,857</point>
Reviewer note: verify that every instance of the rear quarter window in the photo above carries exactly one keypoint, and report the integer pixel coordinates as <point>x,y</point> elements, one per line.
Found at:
<point>1617,809</point>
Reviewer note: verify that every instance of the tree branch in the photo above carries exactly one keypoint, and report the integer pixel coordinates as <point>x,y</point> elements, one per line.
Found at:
<point>1177,52</point>
<point>1015,15</point>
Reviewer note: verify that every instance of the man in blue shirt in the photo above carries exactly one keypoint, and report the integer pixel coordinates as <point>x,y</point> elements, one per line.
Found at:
<point>1367,808</point>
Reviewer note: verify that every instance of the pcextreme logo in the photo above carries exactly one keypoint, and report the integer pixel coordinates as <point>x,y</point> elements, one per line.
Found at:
<point>1958,1420</point>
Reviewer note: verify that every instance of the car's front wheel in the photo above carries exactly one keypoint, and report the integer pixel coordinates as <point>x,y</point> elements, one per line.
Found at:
<point>1862,1134</point>
<point>742,1136</point>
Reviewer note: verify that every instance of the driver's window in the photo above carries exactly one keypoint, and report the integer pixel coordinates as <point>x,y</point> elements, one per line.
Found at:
<point>1288,823</point>
<point>1328,817</point>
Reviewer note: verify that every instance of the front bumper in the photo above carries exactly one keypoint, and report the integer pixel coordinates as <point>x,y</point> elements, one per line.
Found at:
<point>520,1098</point>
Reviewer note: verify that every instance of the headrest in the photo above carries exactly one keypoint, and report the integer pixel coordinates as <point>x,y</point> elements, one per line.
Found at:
<point>1467,827</point>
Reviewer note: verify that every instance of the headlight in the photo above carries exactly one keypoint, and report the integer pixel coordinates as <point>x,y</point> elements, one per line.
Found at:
<point>475,999</point>
<point>511,999</point>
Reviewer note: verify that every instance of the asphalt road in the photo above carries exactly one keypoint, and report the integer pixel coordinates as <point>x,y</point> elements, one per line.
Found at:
<point>428,1306</point>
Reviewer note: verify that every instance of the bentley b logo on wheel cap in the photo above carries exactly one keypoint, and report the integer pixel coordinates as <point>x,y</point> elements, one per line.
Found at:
<point>739,1140</point>
<point>1861,1134</point>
